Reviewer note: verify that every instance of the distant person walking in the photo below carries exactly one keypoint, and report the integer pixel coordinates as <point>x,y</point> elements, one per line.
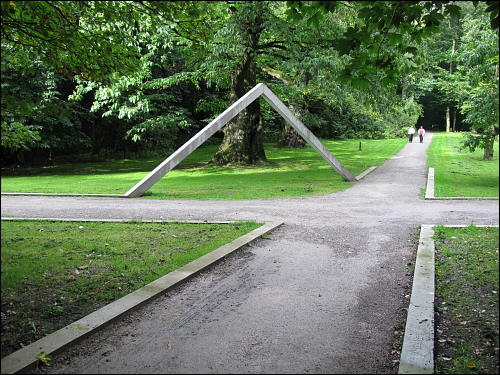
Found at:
<point>421,133</point>
<point>411,131</point>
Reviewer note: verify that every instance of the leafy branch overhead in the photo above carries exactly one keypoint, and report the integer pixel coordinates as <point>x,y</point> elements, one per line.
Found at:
<point>384,42</point>
<point>100,76</point>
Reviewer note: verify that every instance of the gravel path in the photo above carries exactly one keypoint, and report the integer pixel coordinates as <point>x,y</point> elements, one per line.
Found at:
<point>325,293</point>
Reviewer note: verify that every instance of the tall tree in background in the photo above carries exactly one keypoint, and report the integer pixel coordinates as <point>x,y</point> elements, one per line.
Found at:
<point>46,42</point>
<point>454,37</point>
<point>243,141</point>
<point>462,66</point>
<point>437,76</point>
<point>153,65</point>
<point>479,94</point>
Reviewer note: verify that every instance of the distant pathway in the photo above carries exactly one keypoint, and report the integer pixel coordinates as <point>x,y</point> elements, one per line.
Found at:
<point>324,294</point>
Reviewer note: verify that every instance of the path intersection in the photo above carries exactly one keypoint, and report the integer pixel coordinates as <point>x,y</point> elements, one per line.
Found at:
<point>323,293</point>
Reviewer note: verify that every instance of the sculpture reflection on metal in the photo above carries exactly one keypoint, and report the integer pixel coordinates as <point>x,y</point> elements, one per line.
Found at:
<point>259,90</point>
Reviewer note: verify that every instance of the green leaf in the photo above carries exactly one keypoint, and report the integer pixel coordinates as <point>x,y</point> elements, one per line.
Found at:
<point>44,358</point>
<point>361,83</point>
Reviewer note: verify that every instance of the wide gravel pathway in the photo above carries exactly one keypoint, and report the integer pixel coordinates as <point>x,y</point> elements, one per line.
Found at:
<point>325,293</point>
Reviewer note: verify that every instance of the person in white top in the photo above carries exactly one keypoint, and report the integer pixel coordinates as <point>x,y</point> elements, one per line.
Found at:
<point>411,131</point>
<point>421,133</point>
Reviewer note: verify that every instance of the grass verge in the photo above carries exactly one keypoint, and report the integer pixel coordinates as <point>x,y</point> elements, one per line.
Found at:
<point>288,173</point>
<point>54,273</point>
<point>466,301</point>
<point>460,173</point>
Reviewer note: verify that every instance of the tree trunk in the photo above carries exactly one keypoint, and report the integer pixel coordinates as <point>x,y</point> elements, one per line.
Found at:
<point>20,158</point>
<point>454,127</point>
<point>93,136</point>
<point>488,150</point>
<point>447,119</point>
<point>488,153</point>
<point>289,137</point>
<point>451,71</point>
<point>243,142</point>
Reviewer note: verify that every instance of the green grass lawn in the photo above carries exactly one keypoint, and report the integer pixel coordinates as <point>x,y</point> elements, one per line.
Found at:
<point>466,300</point>
<point>459,173</point>
<point>54,273</point>
<point>289,173</point>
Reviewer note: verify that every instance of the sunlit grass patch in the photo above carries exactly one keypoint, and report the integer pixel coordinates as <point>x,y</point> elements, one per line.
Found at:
<point>288,173</point>
<point>460,173</point>
<point>54,273</point>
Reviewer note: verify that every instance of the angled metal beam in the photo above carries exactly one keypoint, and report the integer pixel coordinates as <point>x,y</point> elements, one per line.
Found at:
<point>305,133</point>
<point>187,148</point>
<point>260,89</point>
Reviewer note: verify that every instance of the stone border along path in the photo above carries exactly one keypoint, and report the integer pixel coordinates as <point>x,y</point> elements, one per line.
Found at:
<point>324,293</point>
<point>417,354</point>
<point>429,191</point>
<point>26,358</point>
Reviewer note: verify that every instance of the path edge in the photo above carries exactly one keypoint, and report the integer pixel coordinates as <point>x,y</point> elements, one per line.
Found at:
<point>67,195</point>
<point>365,173</point>
<point>417,353</point>
<point>26,358</point>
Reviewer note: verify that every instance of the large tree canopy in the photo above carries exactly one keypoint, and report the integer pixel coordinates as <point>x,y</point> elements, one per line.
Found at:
<point>111,74</point>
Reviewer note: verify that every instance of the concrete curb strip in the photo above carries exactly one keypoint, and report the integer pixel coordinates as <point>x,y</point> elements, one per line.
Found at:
<point>69,195</point>
<point>417,354</point>
<point>26,357</point>
<point>429,191</point>
<point>365,173</point>
<point>120,220</point>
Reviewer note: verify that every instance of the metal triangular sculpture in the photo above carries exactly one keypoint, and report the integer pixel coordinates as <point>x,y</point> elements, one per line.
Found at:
<point>259,90</point>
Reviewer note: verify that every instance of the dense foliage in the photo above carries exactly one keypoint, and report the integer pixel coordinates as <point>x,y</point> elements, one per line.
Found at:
<point>110,78</point>
<point>461,76</point>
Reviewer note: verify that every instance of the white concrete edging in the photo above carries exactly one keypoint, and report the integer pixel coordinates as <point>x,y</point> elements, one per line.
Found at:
<point>417,353</point>
<point>26,357</point>
<point>68,195</point>
<point>365,173</point>
<point>429,191</point>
